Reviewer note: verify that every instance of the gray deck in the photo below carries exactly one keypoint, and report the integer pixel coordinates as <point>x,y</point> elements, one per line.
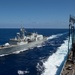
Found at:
<point>68,70</point>
<point>69,66</point>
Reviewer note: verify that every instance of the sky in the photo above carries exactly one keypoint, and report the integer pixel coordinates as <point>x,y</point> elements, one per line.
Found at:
<point>36,13</point>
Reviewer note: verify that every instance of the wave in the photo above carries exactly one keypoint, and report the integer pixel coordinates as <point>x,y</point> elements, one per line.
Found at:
<point>20,72</point>
<point>54,61</point>
<point>62,34</point>
<point>3,55</point>
<point>51,37</point>
<point>17,52</point>
<point>39,46</point>
<point>56,36</point>
<point>39,67</point>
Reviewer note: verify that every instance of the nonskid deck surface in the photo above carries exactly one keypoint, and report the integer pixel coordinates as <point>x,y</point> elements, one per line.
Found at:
<point>69,68</point>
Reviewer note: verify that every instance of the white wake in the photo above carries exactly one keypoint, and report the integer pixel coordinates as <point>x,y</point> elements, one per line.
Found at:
<point>55,36</point>
<point>54,61</point>
<point>51,37</point>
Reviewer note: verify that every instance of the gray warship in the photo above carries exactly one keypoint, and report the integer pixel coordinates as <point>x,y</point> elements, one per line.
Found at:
<point>22,42</point>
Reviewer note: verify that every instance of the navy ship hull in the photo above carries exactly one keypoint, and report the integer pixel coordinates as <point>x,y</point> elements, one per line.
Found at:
<point>14,48</point>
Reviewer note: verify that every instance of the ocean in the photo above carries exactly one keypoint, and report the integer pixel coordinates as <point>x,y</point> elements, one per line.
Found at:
<point>45,59</point>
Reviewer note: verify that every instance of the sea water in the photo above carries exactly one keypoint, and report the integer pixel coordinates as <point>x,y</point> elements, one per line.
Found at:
<point>45,59</point>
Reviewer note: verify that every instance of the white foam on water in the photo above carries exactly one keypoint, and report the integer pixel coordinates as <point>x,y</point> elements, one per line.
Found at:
<point>55,36</point>
<point>51,37</point>
<point>40,66</point>
<point>31,48</point>
<point>20,72</point>
<point>17,52</point>
<point>54,61</point>
<point>39,46</point>
<point>3,55</point>
<point>62,34</point>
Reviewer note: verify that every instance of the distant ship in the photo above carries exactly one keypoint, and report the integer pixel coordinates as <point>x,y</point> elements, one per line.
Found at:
<point>22,42</point>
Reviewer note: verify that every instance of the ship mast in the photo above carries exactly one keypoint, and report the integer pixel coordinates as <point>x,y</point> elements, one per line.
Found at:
<point>22,32</point>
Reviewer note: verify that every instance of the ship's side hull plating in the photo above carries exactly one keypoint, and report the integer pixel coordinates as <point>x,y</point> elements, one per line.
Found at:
<point>25,47</point>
